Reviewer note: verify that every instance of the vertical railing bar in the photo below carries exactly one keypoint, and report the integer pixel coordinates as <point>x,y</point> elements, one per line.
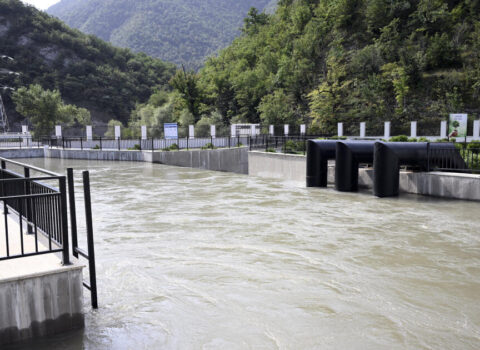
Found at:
<point>73,214</point>
<point>5,213</point>
<point>64,221</point>
<point>34,209</point>
<point>91,249</point>
<point>20,219</point>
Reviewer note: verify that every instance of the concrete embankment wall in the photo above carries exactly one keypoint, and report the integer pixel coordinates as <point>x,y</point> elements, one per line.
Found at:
<point>233,160</point>
<point>438,184</point>
<point>22,153</point>
<point>40,305</point>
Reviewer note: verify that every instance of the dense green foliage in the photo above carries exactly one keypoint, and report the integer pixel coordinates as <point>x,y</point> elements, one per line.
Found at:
<point>45,109</point>
<point>180,31</point>
<point>86,70</point>
<point>329,61</point>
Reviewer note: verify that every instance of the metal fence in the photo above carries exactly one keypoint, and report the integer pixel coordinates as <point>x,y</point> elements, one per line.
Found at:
<point>35,216</point>
<point>465,160</point>
<point>38,207</point>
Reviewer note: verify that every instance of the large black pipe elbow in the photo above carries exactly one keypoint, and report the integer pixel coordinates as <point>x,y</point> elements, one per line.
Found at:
<point>318,154</point>
<point>386,171</point>
<point>346,169</point>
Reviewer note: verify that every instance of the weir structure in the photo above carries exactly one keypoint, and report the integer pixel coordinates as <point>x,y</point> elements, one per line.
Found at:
<point>386,157</point>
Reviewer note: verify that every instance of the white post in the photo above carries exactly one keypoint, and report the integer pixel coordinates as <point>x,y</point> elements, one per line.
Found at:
<point>58,130</point>
<point>191,131</point>
<point>362,129</point>
<point>303,129</point>
<point>476,129</point>
<point>118,132</point>
<point>89,133</point>
<point>340,129</point>
<point>212,131</point>
<point>271,130</point>
<point>443,129</point>
<point>386,134</point>
<point>286,128</point>
<point>24,129</point>
<point>252,130</point>
<point>413,129</point>
<point>233,130</point>
<point>144,132</point>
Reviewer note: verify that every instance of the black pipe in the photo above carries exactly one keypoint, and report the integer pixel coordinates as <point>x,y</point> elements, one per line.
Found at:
<point>388,157</point>
<point>318,154</point>
<point>349,154</point>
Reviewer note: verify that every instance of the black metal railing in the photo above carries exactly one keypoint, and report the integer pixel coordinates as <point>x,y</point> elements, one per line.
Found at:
<point>465,160</point>
<point>38,207</point>
<point>35,216</point>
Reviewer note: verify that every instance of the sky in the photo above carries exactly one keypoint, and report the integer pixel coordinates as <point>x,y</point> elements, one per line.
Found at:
<point>41,4</point>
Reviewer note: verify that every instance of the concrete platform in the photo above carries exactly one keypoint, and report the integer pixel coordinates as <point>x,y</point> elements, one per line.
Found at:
<point>38,295</point>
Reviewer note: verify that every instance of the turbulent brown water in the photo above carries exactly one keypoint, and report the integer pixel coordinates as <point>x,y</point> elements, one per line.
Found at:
<point>191,259</point>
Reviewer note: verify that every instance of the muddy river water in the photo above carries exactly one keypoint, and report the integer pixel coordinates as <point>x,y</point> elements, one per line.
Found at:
<point>192,259</point>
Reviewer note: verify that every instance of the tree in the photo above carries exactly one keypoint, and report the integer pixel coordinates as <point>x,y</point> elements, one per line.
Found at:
<point>45,109</point>
<point>186,83</point>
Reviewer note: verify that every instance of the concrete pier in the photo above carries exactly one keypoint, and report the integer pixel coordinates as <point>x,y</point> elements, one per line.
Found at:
<point>38,296</point>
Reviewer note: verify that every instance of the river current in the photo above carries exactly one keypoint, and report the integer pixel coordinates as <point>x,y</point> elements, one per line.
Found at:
<point>193,259</point>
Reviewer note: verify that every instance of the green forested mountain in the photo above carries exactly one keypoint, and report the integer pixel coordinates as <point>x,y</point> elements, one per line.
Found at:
<point>179,31</point>
<point>325,61</point>
<point>88,71</point>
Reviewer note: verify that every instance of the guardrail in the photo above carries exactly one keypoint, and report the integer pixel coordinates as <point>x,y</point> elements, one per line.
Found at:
<point>40,215</point>
<point>464,160</point>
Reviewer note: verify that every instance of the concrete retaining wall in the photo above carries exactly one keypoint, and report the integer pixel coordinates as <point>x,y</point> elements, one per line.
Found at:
<point>438,184</point>
<point>233,160</point>
<point>132,156</point>
<point>290,167</point>
<point>22,153</point>
<point>45,304</point>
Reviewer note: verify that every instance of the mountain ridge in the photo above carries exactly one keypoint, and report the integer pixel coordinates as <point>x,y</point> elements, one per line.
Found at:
<point>183,32</point>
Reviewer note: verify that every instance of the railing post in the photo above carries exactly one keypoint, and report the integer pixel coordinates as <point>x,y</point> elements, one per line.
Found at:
<point>101,146</point>
<point>152,145</point>
<point>81,143</point>
<point>73,213</point>
<point>140,143</point>
<point>64,218</point>
<point>118,141</point>
<point>28,211</point>
<point>187,143</point>
<point>91,249</point>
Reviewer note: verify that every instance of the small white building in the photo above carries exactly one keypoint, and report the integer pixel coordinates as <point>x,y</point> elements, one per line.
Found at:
<point>245,130</point>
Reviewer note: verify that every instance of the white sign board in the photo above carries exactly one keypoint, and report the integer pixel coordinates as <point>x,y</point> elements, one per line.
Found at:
<point>212,131</point>
<point>191,131</point>
<point>286,128</point>
<point>457,126</point>
<point>271,130</point>
<point>24,129</point>
<point>144,132</point>
<point>303,129</point>
<point>58,130</point>
<point>170,130</point>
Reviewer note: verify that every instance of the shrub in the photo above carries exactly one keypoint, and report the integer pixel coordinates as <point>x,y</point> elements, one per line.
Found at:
<point>174,147</point>
<point>412,139</point>
<point>135,148</point>
<point>399,138</point>
<point>474,147</point>
<point>271,150</point>
<point>96,147</point>
<point>423,139</point>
